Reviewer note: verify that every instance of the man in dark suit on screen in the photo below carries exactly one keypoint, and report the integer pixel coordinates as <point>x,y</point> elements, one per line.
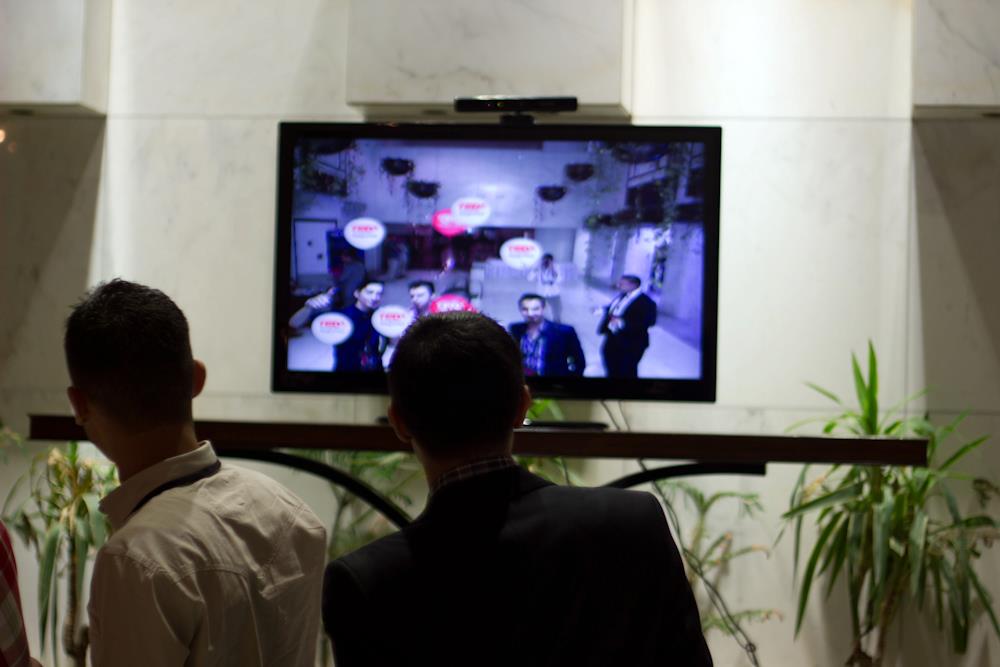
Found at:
<point>503,567</point>
<point>547,348</point>
<point>625,325</point>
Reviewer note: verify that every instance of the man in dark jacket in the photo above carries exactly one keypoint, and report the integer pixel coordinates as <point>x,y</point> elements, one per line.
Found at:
<point>626,324</point>
<point>503,567</point>
<point>547,348</point>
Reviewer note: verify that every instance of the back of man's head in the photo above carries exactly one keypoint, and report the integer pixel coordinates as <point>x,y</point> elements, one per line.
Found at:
<point>456,383</point>
<point>128,350</point>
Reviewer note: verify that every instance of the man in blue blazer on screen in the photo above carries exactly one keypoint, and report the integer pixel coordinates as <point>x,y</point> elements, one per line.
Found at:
<point>503,567</point>
<point>547,348</point>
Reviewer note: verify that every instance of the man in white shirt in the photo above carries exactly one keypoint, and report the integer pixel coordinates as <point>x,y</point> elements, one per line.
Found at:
<point>209,564</point>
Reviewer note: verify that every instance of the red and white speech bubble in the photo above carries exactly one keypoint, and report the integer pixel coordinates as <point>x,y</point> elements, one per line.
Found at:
<point>391,321</point>
<point>364,233</point>
<point>520,253</point>
<point>448,303</point>
<point>470,211</point>
<point>332,328</point>
<point>446,225</point>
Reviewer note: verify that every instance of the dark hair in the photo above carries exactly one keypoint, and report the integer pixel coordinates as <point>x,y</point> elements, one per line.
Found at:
<point>365,283</point>
<point>548,256</point>
<point>635,280</point>
<point>456,381</point>
<point>422,283</point>
<point>527,296</point>
<point>128,349</point>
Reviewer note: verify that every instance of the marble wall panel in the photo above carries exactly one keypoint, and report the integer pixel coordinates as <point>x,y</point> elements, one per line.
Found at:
<point>284,58</point>
<point>955,314</point>
<point>956,53</point>
<point>400,51</point>
<point>41,51</point>
<point>812,258</point>
<point>772,58</point>
<point>50,171</point>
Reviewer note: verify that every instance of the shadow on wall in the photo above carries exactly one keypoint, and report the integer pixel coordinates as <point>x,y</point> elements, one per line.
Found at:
<point>50,172</point>
<point>957,169</point>
<point>956,177</point>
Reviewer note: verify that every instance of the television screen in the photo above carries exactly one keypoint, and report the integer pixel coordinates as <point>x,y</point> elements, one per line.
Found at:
<point>595,246</point>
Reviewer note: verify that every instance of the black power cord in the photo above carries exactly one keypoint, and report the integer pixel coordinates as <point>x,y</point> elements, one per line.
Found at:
<point>737,632</point>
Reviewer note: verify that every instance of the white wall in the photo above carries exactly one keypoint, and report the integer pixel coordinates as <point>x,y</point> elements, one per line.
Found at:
<point>842,221</point>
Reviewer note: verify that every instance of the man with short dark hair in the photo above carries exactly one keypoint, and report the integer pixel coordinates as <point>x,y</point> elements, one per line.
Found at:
<point>209,563</point>
<point>362,350</point>
<point>421,295</point>
<point>503,567</point>
<point>625,325</point>
<point>548,349</point>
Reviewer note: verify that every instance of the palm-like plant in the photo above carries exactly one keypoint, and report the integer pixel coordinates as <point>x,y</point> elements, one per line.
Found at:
<point>896,534</point>
<point>60,521</point>
<point>707,554</point>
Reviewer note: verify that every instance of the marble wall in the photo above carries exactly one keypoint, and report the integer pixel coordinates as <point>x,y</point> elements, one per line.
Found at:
<point>842,221</point>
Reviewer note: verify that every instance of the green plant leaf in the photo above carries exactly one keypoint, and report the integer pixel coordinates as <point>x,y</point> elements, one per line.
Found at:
<point>861,390</point>
<point>918,542</point>
<point>826,392</point>
<point>82,546</point>
<point>97,520</point>
<point>835,497</point>
<point>838,553</point>
<point>46,577</point>
<point>986,600</point>
<point>807,576</point>
<point>962,451</point>
<point>881,532</point>
<point>872,403</point>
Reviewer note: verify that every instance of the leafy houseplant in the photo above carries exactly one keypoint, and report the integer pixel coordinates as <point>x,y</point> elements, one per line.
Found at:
<point>59,520</point>
<point>707,555</point>
<point>896,534</point>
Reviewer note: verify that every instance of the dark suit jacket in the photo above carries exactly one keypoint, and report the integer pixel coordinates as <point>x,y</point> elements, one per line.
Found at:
<point>562,354</point>
<point>638,317</point>
<point>508,569</point>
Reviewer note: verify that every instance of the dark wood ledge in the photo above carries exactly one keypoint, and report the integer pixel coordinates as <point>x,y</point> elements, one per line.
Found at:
<point>232,435</point>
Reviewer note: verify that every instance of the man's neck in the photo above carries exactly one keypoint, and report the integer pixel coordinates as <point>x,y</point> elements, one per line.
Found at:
<point>133,451</point>
<point>435,468</point>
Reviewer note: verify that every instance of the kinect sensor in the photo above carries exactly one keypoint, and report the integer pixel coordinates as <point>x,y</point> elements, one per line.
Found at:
<point>514,104</point>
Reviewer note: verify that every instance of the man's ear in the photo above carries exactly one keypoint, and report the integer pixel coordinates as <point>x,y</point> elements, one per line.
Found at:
<point>78,401</point>
<point>198,378</point>
<point>522,411</point>
<point>398,426</point>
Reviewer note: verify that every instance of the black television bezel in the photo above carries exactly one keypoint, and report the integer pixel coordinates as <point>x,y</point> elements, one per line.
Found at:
<point>701,390</point>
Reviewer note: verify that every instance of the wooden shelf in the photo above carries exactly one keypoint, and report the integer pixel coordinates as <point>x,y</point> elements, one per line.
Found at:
<point>231,435</point>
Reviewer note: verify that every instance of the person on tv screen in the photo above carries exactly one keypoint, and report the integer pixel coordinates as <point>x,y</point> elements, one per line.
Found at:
<point>507,568</point>
<point>352,274</point>
<point>421,295</point>
<point>547,348</point>
<point>362,351</point>
<point>625,326</point>
<point>547,279</point>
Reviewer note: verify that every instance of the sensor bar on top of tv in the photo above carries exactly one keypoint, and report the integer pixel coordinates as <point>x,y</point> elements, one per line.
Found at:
<point>514,103</point>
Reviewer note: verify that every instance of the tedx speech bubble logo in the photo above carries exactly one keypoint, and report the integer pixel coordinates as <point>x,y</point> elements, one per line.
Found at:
<point>451,302</point>
<point>446,225</point>
<point>391,321</point>
<point>332,328</point>
<point>470,211</point>
<point>364,233</point>
<point>520,253</point>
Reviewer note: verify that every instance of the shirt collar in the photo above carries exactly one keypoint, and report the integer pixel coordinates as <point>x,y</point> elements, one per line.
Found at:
<point>119,504</point>
<point>465,471</point>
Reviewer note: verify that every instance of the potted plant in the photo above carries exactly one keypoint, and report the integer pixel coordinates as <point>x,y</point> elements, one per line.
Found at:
<point>894,535</point>
<point>60,521</point>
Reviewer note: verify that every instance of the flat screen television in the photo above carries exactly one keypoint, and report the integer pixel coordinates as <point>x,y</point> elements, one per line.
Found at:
<point>596,246</point>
